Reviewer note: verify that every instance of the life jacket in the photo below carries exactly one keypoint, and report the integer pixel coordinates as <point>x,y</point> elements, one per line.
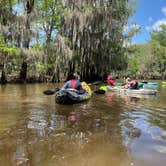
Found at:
<point>111,80</point>
<point>73,84</point>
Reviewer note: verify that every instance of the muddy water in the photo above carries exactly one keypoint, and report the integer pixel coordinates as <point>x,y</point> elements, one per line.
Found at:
<point>107,130</point>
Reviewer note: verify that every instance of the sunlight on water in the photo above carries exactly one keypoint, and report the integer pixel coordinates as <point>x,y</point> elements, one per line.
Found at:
<point>109,129</point>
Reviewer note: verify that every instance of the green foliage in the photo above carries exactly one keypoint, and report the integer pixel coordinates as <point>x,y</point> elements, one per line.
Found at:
<point>149,60</point>
<point>94,31</point>
<point>6,50</point>
<point>158,43</point>
<point>133,65</point>
<point>8,56</point>
<point>40,67</point>
<point>78,32</point>
<point>38,47</point>
<point>49,12</point>
<point>159,35</point>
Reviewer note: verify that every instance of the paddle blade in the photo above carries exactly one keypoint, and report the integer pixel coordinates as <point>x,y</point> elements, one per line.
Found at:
<point>97,82</point>
<point>100,91</point>
<point>50,91</point>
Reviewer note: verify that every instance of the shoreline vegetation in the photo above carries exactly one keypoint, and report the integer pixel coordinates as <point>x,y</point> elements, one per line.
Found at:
<point>48,79</point>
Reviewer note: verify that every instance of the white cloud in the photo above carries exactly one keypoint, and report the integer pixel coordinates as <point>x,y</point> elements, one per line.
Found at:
<point>156,25</point>
<point>164,10</point>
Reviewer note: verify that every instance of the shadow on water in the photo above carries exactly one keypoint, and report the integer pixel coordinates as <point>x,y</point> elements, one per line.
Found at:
<point>106,130</point>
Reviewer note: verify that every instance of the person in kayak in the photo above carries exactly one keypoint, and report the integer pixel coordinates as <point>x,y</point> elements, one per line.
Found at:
<point>131,84</point>
<point>134,84</point>
<point>111,80</point>
<point>73,83</point>
<point>128,80</point>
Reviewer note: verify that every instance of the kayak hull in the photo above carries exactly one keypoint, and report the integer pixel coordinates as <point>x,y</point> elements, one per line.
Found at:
<point>147,84</point>
<point>133,91</point>
<point>70,96</point>
<point>150,86</point>
<point>73,96</point>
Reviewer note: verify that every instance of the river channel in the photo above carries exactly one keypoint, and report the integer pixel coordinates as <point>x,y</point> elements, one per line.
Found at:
<point>108,130</point>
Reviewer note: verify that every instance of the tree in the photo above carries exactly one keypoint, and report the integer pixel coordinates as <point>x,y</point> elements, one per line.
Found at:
<point>158,42</point>
<point>48,17</point>
<point>159,35</point>
<point>93,32</point>
<point>7,54</point>
<point>48,21</point>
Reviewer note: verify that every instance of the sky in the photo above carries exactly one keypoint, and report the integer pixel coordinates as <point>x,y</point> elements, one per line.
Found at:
<point>149,15</point>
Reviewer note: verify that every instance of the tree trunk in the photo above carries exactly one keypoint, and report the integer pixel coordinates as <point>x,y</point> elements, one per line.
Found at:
<point>3,77</point>
<point>23,72</point>
<point>29,6</point>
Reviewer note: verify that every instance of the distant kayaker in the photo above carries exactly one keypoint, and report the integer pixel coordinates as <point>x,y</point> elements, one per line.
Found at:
<point>73,83</point>
<point>128,79</point>
<point>131,84</point>
<point>111,80</point>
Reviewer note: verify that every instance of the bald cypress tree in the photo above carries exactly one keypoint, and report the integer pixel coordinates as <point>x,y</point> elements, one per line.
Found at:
<point>92,34</point>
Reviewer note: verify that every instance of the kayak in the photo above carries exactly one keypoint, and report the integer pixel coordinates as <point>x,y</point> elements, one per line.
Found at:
<point>119,83</point>
<point>72,96</point>
<point>150,86</point>
<point>152,83</point>
<point>140,84</point>
<point>133,91</point>
<point>164,83</point>
<point>147,84</point>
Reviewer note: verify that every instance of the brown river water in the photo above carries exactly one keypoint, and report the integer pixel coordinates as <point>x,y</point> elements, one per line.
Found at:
<point>107,130</point>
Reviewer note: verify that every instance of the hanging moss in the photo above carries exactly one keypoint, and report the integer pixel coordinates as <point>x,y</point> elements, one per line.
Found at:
<point>94,31</point>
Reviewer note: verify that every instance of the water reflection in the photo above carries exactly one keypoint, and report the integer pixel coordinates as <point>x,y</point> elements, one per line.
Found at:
<point>50,135</point>
<point>106,130</point>
<point>145,124</point>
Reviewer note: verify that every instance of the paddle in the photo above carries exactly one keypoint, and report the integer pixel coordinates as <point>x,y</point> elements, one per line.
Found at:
<point>97,82</point>
<point>99,91</point>
<point>51,91</point>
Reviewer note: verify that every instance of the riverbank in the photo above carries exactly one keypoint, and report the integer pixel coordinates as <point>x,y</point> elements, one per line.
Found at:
<point>49,79</point>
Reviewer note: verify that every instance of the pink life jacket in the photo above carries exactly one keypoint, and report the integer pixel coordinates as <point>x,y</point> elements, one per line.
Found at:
<point>111,80</point>
<point>73,83</point>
